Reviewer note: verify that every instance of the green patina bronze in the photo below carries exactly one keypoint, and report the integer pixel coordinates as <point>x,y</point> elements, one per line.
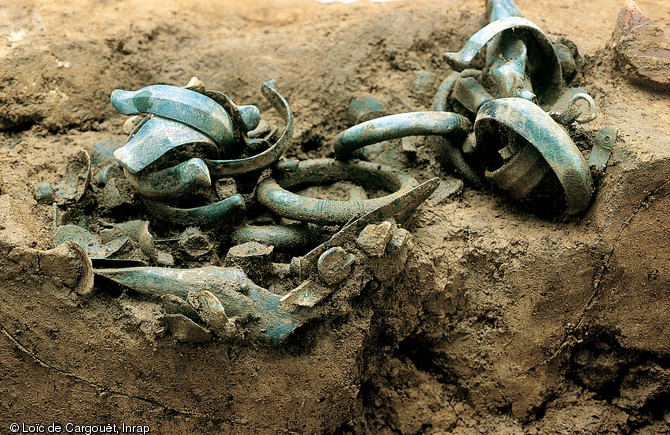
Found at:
<point>397,126</point>
<point>226,168</point>
<point>274,195</point>
<point>225,211</point>
<point>179,104</point>
<point>238,295</point>
<point>172,182</point>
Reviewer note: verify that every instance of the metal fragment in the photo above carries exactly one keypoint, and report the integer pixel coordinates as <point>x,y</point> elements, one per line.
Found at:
<point>334,265</point>
<point>400,241</point>
<point>76,180</point>
<point>135,230</point>
<point>563,102</point>
<point>575,113</point>
<point>87,241</point>
<point>252,257</point>
<point>602,148</point>
<point>280,236</point>
<point>185,330</point>
<point>76,234</point>
<point>70,265</point>
<point>195,243</point>
<point>307,294</point>
<point>499,9</point>
<point>364,108</point>
<point>44,193</point>
<point>210,310</point>
<point>175,305</point>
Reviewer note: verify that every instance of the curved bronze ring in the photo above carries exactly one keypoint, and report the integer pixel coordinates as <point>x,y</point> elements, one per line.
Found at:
<point>551,141</point>
<point>273,194</point>
<point>227,168</point>
<point>397,126</point>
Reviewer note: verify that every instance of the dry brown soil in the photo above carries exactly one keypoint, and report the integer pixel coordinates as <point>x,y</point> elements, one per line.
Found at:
<point>501,322</point>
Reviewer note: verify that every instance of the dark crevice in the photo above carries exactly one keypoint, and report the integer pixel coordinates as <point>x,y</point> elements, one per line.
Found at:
<point>16,126</point>
<point>637,382</point>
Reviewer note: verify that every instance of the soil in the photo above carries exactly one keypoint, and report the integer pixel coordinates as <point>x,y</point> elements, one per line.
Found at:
<point>500,321</point>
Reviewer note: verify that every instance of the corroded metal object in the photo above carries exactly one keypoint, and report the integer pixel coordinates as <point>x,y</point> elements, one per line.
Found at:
<point>374,238</point>
<point>602,149</point>
<point>274,195</point>
<point>516,145</point>
<point>508,38</point>
<point>102,159</point>
<point>237,294</point>
<point>87,241</point>
<point>397,126</point>
<point>76,181</point>
<point>194,242</point>
<point>364,108</point>
<point>172,182</point>
<point>398,208</point>
<point>189,121</point>
<point>154,138</point>
<point>279,236</point>
<point>210,214</point>
<point>225,300</point>
<point>221,168</point>
<point>179,104</point>
<point>334,265</point>
<point>534,127</point>
<point>575,113</point>
<point>310,293</point>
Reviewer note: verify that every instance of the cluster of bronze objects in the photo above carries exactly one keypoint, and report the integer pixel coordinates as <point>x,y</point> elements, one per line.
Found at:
<point>506,126</point>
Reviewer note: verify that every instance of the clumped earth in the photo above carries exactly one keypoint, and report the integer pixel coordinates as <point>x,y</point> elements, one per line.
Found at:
<point>501,321</point>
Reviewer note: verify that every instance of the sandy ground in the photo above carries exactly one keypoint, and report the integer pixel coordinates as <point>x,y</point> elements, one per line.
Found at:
<point>501,321</point>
